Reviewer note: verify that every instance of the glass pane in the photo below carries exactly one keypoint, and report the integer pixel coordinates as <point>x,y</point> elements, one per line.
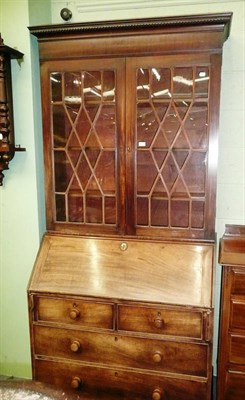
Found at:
<point>196,125</point>
<point>83,126</point>
<point>194,173</point>
<point>60,207</point>
<point>142,211</point>
<point>94,209</point>
<point>72,87</point>
<point>63,171</point>
<point>169,172</point>
<point>183,82</point>
<point>154,83</point>
<point>109,86</point>
<point>147,125</point>
<point>146,172</point>
<point>56,86</point>
<point>197,216</point>
<point>143,84</point>
<point>110,210</point>
<point>106,125</point>
<point>202,82</point>
<point>161,83</point>
<point>159,212</point>
<point>74,149</point>
<point>171,125</point>
<point>179,213</point>
<point>105,172</point>
<point>75,207</point>
<point>61,126</point>
<point>92,86</point>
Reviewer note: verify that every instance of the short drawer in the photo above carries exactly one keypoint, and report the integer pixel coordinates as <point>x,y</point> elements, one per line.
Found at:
<point>124,384</point>
<point>74,312</point>
<point>121,350</point>
<point>160,320</point>
<point>237,349</point>
<point>237,316</point>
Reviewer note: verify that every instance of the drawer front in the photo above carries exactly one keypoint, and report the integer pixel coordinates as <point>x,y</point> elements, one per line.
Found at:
<point>238,282</point>
<point>235,386</point>
<point>124,351</point>
<point>237,349</point>
<point>160,320</point>
<point>237,320</point>
<point>131,384</point>
<point>75,312</point>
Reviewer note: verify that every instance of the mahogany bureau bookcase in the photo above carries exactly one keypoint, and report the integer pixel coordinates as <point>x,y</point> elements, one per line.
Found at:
<point>121,295</point>
<point>231,360</point>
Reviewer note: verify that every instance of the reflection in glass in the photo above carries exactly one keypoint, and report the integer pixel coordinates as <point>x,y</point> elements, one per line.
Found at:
<point>202,82</point>
<point>183,82</point>
<point>56,86</point>
<point>153,83</point>
<point>147,124</point>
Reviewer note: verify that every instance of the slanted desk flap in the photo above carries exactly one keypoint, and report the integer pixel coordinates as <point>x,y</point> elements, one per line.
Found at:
<point>178,273</point>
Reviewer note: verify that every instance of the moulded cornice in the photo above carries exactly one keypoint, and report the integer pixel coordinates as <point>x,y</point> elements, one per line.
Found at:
<point>223,19</point>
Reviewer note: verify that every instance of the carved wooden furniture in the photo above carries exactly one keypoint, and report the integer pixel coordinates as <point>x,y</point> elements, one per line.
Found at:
<point>7,141</point>
<point>231,366</point>
<point>123,282</point>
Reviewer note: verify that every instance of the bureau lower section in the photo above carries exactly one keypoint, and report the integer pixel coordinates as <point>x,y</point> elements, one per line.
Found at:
<point>128,320</point>
<point>132,350</point>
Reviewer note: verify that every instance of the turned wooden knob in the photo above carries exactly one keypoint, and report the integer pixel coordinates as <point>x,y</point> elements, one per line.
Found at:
<point>157,357</point>
<point>158,322</point>
<point>76,382</point>
<point>75,346</point>
<point>74,313</point>
<point>157,394</point>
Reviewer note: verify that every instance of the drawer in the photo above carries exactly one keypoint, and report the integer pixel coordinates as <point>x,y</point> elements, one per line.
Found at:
<point>126,384</point>
<point>120,350</point>
<point>235,386</point>
<point>74,312</point>
<point>237,349</point>
<point>238,282</point>
<point>160,320</point>
<point>237,317</point>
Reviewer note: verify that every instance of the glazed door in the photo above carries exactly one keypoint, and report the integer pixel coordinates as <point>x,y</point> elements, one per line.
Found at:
<point>169,169</point>
<point>83,107</point>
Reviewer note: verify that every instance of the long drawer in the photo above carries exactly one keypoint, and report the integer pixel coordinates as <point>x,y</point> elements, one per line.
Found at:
<point>124,383</point>
<point>161,320</point>
<point>111,349</point>
<point>72,311</point>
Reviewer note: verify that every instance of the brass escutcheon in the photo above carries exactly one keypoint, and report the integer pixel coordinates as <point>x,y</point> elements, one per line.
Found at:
<point>123,246</point>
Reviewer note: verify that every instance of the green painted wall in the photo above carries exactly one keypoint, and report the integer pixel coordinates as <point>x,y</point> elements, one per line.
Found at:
<point>21,197</point>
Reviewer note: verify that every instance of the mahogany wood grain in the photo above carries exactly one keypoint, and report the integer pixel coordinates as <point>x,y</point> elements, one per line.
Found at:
<point>145,271</point>
<point>120,350</point>
<point>120,382</point>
